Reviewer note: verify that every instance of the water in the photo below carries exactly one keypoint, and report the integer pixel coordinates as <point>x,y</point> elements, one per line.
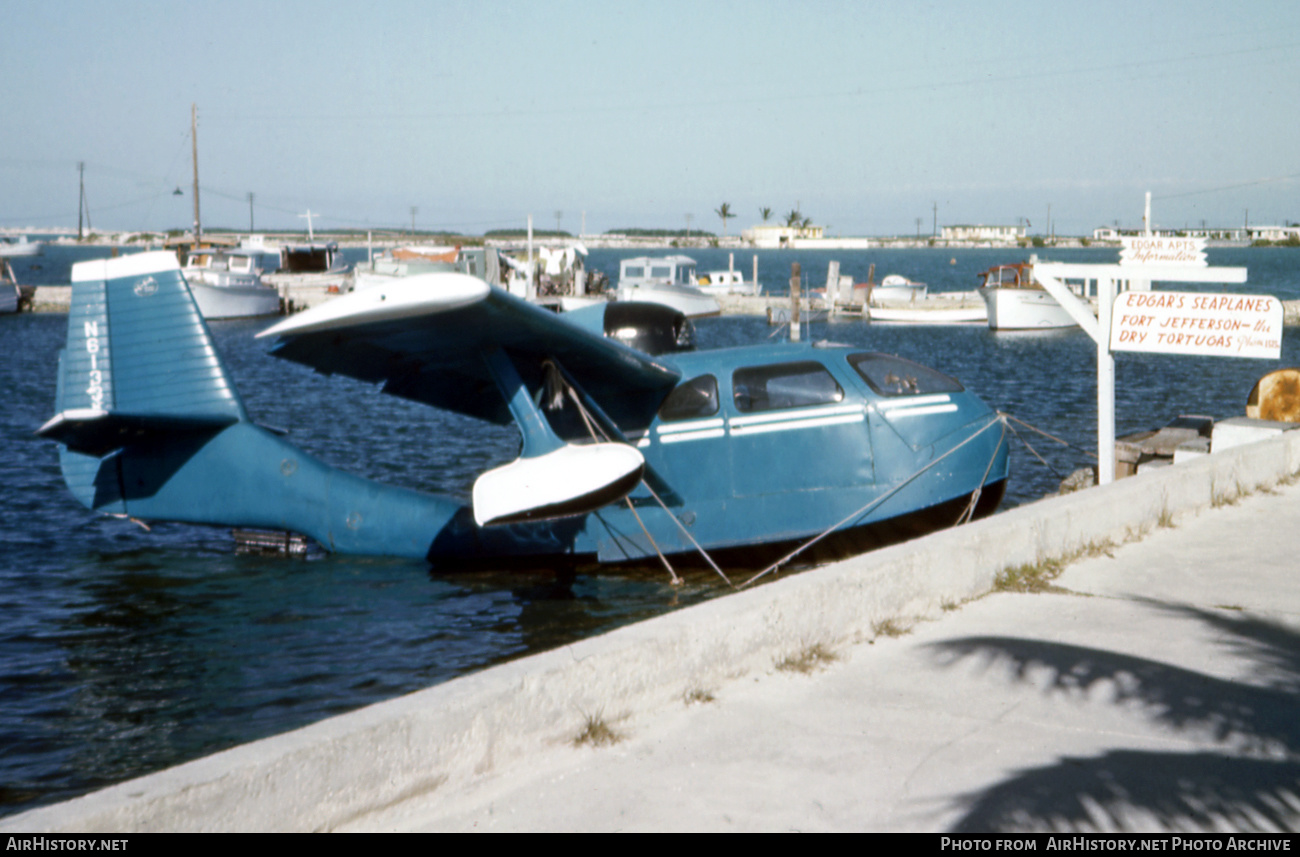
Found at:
<point>124,651</point>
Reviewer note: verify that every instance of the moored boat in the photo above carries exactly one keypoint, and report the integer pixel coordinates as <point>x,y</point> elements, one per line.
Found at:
<point>1016,301</point>
<point>227,283</point>
<point>20,246</point>
<point>667,280</point>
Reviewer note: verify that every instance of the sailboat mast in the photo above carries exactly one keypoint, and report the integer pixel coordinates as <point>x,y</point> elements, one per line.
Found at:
<point>194,140</point>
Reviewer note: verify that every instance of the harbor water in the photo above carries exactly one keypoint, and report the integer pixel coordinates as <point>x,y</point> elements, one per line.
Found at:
<point>125,650</point>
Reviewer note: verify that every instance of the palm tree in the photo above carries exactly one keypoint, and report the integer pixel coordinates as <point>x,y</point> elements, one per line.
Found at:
<point>793,218</point>
<point>726,214</point>
<point>766,214</point>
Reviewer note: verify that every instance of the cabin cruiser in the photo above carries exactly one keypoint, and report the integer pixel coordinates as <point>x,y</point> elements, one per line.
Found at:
<point>726,283</point>
<point>227,283</point>
<point>1016,301</point>
<point>317,264</point>
<point>20,246</point>
<point>667,280</point>
<point>895,289</point>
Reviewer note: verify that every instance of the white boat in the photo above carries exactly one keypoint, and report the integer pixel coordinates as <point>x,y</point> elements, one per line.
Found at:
<point>10,297</point>
<point>227,283</point>
<point>1016,301</point>
<point>404,262</point>
<point>20,246</point>
<point>315,267</point>
<point>667,280</point>
<point>928,315</point>
<point>726,283</point>
<point>895,290</point>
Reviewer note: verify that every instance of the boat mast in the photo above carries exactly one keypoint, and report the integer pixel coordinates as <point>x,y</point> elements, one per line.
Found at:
<point>194,140</point>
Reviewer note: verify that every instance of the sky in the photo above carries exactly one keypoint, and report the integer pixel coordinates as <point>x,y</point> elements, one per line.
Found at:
<point>871,117</point>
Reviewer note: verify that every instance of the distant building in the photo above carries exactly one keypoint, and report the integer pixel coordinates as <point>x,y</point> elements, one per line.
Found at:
<point>1234,233</point>
<point>772,236</point>
<point>981,232</point>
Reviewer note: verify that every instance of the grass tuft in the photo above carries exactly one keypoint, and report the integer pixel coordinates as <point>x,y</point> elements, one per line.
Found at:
<point>810,658</point>
<point>888,628</point>
<point>1038,576</point>
<point>596,733</point>
<point>698,696</point>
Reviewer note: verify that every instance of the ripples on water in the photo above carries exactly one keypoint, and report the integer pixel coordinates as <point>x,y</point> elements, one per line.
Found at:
<point>124,651</point>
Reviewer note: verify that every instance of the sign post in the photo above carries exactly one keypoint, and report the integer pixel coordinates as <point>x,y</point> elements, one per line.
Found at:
<point>1145,260</point>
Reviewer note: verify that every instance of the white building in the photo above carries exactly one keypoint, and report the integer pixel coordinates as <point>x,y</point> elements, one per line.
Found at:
<point>772,236</point>
<point>980,232</point>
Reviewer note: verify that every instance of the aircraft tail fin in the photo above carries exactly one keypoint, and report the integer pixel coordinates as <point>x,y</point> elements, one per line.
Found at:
<point>139,364</point>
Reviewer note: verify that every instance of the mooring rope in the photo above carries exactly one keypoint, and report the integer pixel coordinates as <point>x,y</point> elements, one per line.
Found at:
<point>592,428</point>
<point>997,418</point>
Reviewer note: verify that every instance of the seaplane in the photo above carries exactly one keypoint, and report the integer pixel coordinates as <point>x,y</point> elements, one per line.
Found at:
<point>634,444</point>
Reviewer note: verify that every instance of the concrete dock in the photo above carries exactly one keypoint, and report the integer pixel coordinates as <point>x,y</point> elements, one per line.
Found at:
<point>1149,684</point>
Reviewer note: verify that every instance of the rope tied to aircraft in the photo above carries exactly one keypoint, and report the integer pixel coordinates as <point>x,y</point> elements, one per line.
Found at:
<point>997,419</point>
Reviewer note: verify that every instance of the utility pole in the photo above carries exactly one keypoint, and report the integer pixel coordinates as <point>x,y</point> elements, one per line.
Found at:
<point>415,209</point>
<point>250,211</point>
<point>934,229</point>
<point>194,143</point>
<point>81,205</point>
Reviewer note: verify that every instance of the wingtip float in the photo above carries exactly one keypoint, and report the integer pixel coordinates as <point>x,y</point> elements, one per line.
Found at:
<point>625,454</point>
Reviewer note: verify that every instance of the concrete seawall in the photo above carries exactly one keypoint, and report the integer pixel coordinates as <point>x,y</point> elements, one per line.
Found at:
<point>323,776</point>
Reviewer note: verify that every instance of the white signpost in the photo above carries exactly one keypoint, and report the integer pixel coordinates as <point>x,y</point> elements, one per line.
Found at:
<point>1152,259</point>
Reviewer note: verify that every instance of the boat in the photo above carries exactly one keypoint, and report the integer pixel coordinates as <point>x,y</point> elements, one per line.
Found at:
<point>227,283</point>
<point>11,247</point>
<point>10,295</point>
<point>667,280</point>
<point>893,290</point>
<point>730,282</point>
<point>315,267</point>
<point>923,314</point>
<point>403,262</point>
<point>1016,301</point>
<point>635,446</point>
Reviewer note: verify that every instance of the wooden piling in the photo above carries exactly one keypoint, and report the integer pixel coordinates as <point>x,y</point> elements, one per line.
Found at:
<point>794,301</point>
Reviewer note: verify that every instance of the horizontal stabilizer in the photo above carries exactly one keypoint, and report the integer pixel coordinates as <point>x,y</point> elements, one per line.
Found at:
<point>95,432</point>
<point>571,480</point>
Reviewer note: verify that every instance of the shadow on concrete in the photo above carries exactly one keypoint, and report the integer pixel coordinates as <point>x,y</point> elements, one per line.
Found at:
<point>1251,784</point>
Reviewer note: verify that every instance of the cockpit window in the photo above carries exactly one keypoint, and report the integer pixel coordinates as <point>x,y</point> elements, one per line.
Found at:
<point>784,385</point>
<point>695,398</point>
<point>894,376</point>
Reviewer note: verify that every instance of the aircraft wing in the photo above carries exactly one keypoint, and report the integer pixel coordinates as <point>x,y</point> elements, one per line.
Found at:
<point>425,338</point>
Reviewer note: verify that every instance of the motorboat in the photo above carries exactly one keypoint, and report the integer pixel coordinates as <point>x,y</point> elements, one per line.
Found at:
<point>730,282</point>
<point>894,290</point>
<point>404,261</point>
<point>10,296</point>
<point>667,280</point>
<point>1016,301</point>
<point>227,283</point>
<point>317,264</point>
<point>11,247</point>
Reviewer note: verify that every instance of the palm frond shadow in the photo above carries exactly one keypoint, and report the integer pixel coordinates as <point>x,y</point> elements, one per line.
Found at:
<point>1252,784</point>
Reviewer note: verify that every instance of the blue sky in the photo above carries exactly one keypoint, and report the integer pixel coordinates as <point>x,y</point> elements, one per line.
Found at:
<point>865,115</point>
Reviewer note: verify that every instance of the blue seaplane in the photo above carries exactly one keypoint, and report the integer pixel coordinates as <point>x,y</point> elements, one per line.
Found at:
<point>634,444</point>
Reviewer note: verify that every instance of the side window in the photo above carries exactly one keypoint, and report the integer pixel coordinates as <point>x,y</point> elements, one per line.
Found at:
<point>695,398</point>
<point>785,385</point>
<point>894,376</point>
